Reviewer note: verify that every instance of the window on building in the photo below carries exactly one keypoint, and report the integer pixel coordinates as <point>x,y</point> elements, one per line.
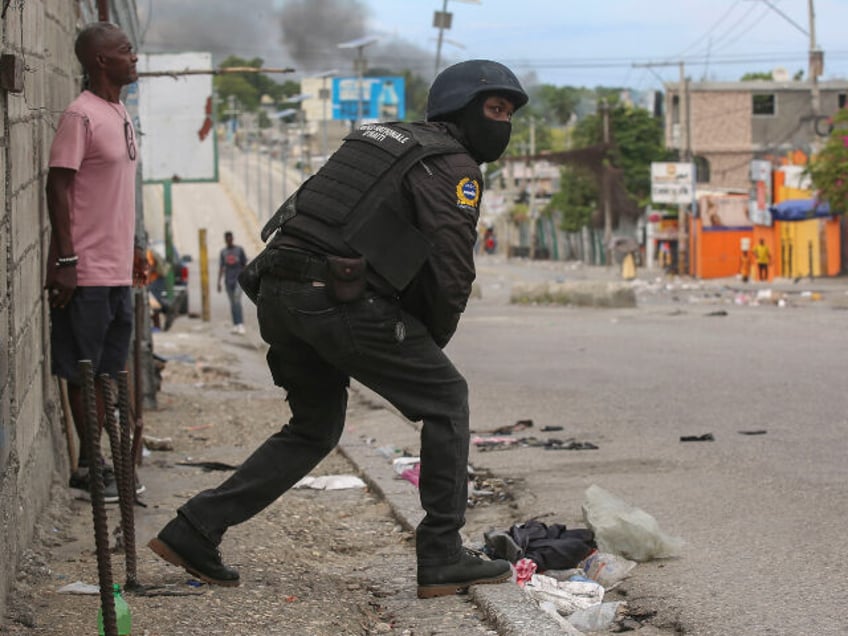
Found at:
<point>675,109</point>
<point>764,104</point>
<point>702,169</point>
<point>841,99</point>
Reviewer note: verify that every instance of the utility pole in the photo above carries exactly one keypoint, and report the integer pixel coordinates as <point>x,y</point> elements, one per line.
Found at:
<point>685,148</point>
<point>605,185</point>
<point>531,167</point>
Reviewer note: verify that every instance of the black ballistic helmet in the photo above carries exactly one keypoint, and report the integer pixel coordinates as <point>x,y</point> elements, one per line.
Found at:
<point>456,86</point>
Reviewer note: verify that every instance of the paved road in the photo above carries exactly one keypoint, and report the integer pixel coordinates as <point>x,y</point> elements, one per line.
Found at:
<point>762,516</point>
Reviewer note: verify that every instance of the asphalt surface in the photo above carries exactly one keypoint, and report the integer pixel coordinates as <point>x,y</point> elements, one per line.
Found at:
<point>761,515</point>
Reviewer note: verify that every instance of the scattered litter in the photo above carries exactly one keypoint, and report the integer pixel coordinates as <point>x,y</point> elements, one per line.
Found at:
<point>401,464</point>
<point>755,432</point>
<point>78,587</point>
<point>330,482</point>
<point>605,568</point>
<point>567,596</point>
<point>412,475</point>
<point>388,452</point>
<point>626,530</point>
<point>520,425</point>
<point>198,427</point>
<point>549,429</point>
<point>550,546</point>
<point>158,443</point>
<point>557,444</point>
<point>524,571</point>
<point>706,437</point>
<point>720,312</point>
<point>493,441</point>
<point>596,618</point>
<point>208,466</point>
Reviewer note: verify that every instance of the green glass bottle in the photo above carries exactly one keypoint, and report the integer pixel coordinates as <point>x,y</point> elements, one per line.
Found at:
<point>122,612</point>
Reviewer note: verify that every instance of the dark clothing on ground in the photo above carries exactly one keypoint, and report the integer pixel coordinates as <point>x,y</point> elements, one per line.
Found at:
<point>96,325</point>
<point>388,339</point>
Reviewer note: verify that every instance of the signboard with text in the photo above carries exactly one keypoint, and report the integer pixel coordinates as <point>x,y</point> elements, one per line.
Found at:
<point>672,182</point>
<point>369,99</point>
<point>760,200</point>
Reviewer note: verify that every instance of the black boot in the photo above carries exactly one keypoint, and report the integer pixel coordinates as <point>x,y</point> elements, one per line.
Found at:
<point>471,569</point>
<point>181,545</point>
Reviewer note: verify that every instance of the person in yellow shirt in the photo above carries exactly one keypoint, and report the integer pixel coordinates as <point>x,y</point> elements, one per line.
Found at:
<point>762,256</point>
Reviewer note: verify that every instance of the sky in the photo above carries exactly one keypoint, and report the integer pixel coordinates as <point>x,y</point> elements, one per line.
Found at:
<point>560,42</point>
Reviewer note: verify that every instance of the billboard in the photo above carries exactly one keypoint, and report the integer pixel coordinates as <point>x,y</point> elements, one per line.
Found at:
<point>175,118</point>
<point>380,99</point>
<point>672,182</point>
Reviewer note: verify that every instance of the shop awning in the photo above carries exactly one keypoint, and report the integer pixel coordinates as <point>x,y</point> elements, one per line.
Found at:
<point>799,209</point>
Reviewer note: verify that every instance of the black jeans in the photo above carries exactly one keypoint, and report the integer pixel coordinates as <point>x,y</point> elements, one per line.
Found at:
<point>316,345</point>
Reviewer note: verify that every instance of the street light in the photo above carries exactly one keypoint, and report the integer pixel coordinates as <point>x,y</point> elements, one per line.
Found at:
<point>359,66</point>
<point>442,20</point>
<point>324,96</point>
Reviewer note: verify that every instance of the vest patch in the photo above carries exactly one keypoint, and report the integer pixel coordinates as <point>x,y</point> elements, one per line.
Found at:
<point>468,192</point>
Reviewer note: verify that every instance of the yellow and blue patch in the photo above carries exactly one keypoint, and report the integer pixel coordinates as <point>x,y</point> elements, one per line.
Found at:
<point>468,192</point>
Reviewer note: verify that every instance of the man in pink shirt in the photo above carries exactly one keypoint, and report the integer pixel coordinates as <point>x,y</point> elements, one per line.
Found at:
<point>92,261</point>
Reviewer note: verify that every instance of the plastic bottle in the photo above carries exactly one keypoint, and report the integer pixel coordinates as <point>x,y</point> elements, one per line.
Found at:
<point>122,612</point>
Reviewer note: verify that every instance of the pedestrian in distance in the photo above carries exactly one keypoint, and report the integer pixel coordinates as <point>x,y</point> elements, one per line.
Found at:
<point>762,256</point>
<point>745,265</point>
<point>93,260</point>
<point>365,276</point>
<point>231,262</point>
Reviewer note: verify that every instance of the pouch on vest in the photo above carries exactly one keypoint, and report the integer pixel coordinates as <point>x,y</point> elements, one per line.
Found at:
<point>345,278</point>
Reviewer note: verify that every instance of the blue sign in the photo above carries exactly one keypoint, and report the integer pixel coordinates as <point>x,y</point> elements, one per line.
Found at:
<point>379,98</point>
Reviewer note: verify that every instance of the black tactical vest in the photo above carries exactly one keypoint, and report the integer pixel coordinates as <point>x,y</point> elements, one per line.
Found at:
<point>354,204</point>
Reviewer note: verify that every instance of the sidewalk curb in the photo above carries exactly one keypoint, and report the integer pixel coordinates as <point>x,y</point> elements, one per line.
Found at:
<point>508,609</point>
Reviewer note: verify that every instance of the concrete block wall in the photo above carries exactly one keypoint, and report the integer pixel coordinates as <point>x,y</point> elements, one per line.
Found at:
<point>32,447</point>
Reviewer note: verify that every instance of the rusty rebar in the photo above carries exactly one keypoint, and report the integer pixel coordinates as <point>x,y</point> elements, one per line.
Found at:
<point>138,384</point>
<point>111,425</point>
<point>98,508</point>
<point>127,492</point>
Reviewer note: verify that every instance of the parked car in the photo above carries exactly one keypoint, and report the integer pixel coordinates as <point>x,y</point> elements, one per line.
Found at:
<point>158,287</point>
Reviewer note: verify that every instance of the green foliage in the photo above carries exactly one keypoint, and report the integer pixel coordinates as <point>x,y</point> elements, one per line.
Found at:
<point>248,88</point>
<point>576,199</point>
<point>829,168</point>
<point>639,141</point>
<point>750,77</point>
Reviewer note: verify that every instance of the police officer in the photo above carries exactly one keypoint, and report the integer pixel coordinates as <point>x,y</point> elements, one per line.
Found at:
<point>368,268</point>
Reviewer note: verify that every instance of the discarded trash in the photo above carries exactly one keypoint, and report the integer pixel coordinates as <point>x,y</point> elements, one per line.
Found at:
<point>558,444</point>
<point>401,464</point>
<point>606,568</point>
<point>520,425</point>
<point>706,437</point>
<point>208,466</point>
<point>720,312</point>
<point>524,571</point>
<point>596,618</point>
<point>158,443</point>
<point>756,432</point>
<point>412,475</point>
<point>388,452</point>
<point>78,587</point>
<point>198,427</point>
<point>330,482</point>
<point>494,440</point>
<point>568,596</point>
<point>552,547</point>
<point>549,429</point>
<point>623,529</point>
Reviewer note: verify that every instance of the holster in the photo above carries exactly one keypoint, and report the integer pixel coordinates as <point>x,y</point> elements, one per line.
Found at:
<point>251,276</point>
<point>345,278</point>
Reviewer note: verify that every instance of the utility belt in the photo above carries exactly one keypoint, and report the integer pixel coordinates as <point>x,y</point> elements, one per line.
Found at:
<point>343,277</point>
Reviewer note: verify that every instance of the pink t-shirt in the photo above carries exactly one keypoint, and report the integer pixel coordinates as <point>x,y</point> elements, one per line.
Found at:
<point>91,140</point>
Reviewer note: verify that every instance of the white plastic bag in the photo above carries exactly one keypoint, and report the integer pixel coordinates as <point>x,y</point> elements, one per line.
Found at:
<point>567,596</point>
<point>606,568</point>
<point>623,529</point>
<point>596,618</point>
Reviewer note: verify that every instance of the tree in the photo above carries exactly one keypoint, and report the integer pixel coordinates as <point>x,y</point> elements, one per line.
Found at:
<point>829,168</point>
<point>576,200</point>
<point>248,88</point>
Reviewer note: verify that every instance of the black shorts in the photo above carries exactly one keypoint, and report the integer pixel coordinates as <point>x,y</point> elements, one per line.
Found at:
<point>96,325</point>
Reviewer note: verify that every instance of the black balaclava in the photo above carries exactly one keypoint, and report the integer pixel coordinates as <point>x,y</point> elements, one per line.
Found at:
<point>487,139</point>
